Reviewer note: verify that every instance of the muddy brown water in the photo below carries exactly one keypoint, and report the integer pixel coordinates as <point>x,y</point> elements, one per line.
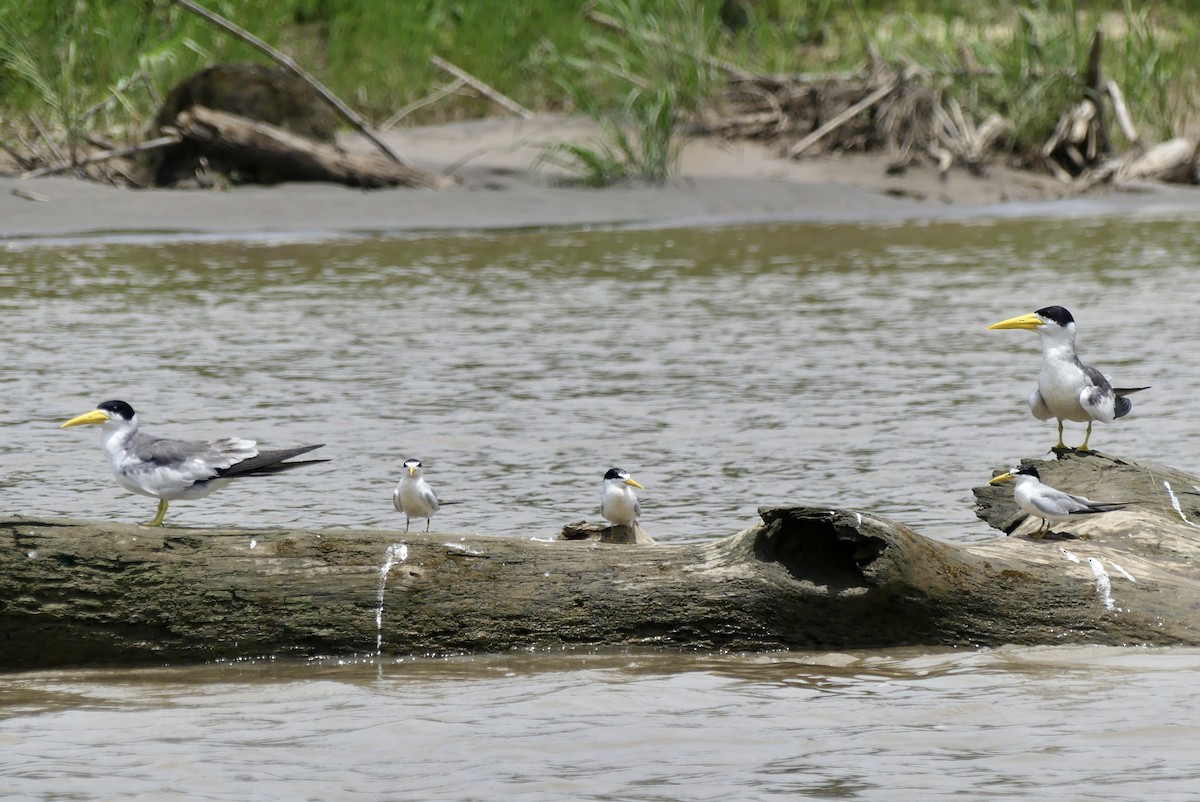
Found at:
<point>726,368</point>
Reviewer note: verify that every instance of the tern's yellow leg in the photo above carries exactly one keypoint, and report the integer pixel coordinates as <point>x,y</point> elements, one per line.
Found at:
<point>1061,445</point>
<point>162,510</point>
<point>1086,437</point>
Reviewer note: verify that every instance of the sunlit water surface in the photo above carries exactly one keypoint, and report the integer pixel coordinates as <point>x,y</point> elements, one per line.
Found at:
<point>846,365</point>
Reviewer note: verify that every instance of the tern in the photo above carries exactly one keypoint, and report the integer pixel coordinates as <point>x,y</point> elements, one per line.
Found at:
<point>1043,501</point>
<point>413,495</point>
<point>619,504</point>
<point>178,469</point>
<point>1068,389</point>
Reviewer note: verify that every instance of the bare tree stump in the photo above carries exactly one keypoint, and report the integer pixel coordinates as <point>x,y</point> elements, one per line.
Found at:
<point>75,593</point>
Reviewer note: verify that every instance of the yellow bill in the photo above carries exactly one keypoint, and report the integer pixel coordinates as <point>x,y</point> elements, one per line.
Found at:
<point>88,418</point>
<point>1031,322</point>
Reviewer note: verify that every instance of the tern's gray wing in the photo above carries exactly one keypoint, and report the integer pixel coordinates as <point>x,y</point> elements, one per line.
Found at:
<point>429,497</point>
<point>1098,398</point>
<point>1069,504</point>
<point>195,459</point>
<point>1053,503</point>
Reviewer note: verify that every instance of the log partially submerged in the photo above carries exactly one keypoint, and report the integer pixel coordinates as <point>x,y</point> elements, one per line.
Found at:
<point>76,593</point>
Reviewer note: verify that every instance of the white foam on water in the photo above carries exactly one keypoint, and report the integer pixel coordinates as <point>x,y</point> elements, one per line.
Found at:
<point>1068,555</point>
<point>463,549</point>
<point>395,553</point>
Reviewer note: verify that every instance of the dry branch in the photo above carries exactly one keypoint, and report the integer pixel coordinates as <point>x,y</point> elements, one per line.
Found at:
<point>432,97</point>
<point>238,140</point>
<point>853,111</point>
<point>115,153</point>
<point>482,88</point>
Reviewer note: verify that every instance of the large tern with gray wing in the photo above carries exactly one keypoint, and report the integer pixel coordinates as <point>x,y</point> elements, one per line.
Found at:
<point>1068,389</point>
<point>178,469</point>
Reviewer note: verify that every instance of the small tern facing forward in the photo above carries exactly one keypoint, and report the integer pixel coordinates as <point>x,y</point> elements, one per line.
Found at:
<point>1068,389</point>
<point>1043,501</point>
<point>178,469</point>
<point>413,495</point>
<point>619,504</point>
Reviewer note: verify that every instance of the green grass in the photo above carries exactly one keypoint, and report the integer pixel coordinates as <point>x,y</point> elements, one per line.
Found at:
<point>59,59</point>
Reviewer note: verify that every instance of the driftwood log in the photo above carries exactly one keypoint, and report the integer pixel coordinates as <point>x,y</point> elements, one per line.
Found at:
<point>75,593</point>
<point>258,147</point>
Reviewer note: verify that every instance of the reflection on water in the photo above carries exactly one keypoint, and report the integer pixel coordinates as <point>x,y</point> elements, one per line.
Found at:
<point>846,365</point>
<point>1073,723</point>
<point>730,368</point>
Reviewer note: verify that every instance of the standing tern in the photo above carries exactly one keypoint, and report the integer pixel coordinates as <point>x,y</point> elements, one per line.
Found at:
<point>619,504</point>
<point>413,495</point>
<point>1068,389</point>
<point>1043,501</point>
<point>178,469</point>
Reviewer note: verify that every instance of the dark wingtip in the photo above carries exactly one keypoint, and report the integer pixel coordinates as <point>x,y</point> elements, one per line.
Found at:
<point>1121,406</point>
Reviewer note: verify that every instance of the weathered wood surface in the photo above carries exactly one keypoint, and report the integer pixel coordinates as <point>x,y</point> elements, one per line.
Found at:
<point>240,141</point>
<point>75,593</point>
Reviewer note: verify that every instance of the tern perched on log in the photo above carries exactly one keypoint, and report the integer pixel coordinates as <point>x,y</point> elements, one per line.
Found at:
<point>619,504</point>
<point>1067,388</point>
<point>413,496</point>
<point>1043,501</point>
<point>178,469</point>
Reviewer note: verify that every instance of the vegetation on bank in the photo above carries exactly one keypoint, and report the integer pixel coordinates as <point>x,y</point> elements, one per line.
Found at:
<point>80,67</point>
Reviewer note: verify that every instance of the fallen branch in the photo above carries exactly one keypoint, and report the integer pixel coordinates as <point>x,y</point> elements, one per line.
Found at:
<point>432,97</point>
<point>73,593</point>
<point>37,124</point>
<point>287,63</point>
<point>847,115</point>
<point>253,146</point>
<point>116,153</point>
<point>1121,112</point>
<point>482,88</point>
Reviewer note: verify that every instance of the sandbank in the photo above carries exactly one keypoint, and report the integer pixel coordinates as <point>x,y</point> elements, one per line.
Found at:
<point>720,183</point>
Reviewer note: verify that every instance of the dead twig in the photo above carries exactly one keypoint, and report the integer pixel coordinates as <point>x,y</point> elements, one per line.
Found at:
<point>29,196</point>
<point>37,124</point>
<point>287,63</point>
<point>484,89</point>
<point>17,156</point>
<point>847,115</point>
<point>432,97</point>
<point>150,144</point>
<point>1121,112</point>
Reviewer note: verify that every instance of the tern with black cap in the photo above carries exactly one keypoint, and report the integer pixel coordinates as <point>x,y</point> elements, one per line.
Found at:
<point>169,469</point>
<point>1067,388</point>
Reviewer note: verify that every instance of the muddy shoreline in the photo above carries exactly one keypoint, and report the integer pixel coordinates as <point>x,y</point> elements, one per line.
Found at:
<point>721,183</point>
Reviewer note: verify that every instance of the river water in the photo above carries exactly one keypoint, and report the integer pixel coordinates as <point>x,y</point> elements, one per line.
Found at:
<point>726,368</point>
